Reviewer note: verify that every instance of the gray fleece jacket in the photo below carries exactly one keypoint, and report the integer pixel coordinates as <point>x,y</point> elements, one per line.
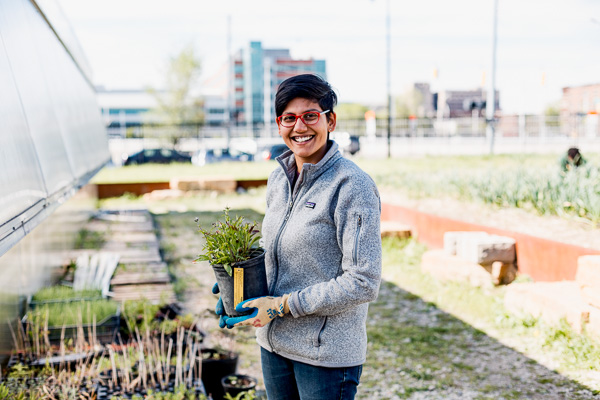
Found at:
<point>323,247</point>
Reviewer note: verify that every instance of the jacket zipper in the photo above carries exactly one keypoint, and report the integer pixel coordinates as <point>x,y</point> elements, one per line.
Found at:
<point>355,253</point>
<point>276,245</point>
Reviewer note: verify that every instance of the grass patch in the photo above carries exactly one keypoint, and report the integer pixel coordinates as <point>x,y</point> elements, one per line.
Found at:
<point>198,202</point>
<point>64,293</point>
<point>87,239</point>
<point>164,173</point>
<point>444,341</point>
<point>59,314</point>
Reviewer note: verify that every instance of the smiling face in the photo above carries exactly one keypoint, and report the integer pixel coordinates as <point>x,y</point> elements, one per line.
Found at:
<point>307,142</point>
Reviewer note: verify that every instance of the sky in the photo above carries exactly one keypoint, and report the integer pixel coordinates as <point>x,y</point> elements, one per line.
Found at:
<point>542,45</point>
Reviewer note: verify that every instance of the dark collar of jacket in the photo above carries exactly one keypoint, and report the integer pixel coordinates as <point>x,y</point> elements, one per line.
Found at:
<point>309,172</point>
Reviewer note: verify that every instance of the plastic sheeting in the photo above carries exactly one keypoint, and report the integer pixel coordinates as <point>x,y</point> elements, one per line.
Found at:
<point>52,139</point>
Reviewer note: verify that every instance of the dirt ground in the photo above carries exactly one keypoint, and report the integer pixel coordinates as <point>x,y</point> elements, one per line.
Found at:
<point>416,350</point>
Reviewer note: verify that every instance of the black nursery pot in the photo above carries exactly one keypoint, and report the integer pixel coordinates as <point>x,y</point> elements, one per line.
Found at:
<point>216,367</point>
<point>244,384</point>
<point>255,281</point>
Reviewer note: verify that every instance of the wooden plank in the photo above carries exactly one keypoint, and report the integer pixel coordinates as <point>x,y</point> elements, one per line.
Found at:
<point>132,237</point>
<point>143,267</point>
<point>121,246</point>
<point>154,298</point>
<point>106,226</point>
<point>154,292</point>
<point>143,288</point>
<point>137,278</point>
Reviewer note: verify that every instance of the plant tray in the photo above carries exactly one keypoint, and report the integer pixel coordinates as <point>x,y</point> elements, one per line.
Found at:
<point>106,392</point>
<point>106,330</point>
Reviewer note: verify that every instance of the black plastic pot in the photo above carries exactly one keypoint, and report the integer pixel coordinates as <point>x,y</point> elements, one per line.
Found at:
<point>255,281</point>
<point>214,369</point>
<point>243,383</point>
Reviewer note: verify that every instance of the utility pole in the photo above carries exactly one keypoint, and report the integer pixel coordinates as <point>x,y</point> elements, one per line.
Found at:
<point>389,73</point>
<point>490,109</point>
<point>230,77</point>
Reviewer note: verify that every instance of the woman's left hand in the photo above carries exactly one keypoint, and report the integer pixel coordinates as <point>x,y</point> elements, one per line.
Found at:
<point>265,308</point>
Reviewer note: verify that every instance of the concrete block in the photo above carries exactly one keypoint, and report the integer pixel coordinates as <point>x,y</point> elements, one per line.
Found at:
<point>395,229</point>
<point>486,249</point>
<point>591,295</point>
<point>593,326</point>
<point>444,266</point>
<point>588,271</point>
<point>503,273</point>
<point>588,278</point>
<point>451,239</point>
<point>550,301</point>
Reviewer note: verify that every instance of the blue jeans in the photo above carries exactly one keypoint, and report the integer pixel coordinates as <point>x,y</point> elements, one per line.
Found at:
<point>292,380</point>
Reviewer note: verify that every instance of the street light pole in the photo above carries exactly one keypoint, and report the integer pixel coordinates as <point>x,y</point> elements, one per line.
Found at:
<point>389,73</point>
<point>490,109</point>
<point>230,77</point>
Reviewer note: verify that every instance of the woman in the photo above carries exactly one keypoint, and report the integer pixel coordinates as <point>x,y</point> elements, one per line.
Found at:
<point>323,255</point>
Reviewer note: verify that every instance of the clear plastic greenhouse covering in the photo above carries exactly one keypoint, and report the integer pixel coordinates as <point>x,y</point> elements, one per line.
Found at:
<point>52,139</point>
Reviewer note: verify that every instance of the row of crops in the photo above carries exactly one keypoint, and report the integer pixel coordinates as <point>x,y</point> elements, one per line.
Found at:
<point>540,187</point>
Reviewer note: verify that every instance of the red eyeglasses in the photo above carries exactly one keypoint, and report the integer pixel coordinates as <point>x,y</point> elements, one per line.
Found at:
<point>309,118</point>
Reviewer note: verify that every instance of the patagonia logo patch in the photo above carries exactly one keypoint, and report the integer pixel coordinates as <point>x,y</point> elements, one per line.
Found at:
<point>310,205</point>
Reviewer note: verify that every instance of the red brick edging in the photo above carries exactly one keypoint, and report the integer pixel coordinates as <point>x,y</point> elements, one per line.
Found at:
<point>542,259</point>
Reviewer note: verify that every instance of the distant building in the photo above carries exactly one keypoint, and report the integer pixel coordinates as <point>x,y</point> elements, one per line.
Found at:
<point>580,100</point>
<point>129,108</point>
<point>122,109</point>
<point>580,106</point>
<point>461,103</point>
<point>257,73</point>
<point>427,107</point>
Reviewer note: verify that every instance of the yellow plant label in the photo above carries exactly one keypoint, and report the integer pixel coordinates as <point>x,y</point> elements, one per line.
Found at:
<point>238,285</point>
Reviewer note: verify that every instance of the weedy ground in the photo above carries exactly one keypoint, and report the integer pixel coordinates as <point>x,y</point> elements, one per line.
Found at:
<point>427,339</point>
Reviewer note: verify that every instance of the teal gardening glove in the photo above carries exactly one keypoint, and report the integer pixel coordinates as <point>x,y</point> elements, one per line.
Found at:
<point>266,308</point>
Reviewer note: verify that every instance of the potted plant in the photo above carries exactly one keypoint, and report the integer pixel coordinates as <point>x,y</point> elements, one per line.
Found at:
<point>216,364</point>
<point>237,386</point>
<point>237,260</point>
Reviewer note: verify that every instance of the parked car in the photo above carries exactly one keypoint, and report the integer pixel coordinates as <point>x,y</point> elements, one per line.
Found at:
<point>273,151</point>
<point>208,156</point>
<point>348,143</point>
<point>158,156</point>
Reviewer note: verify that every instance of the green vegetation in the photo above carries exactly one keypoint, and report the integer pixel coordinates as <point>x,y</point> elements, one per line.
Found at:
<point>534,183</point>
<point>529,181</point>
<point>72,313</point>
<point>164,173</point>
<point>435,344</point>
<point>229,241</point>
<point>86,239</point>
<point>61,293</point>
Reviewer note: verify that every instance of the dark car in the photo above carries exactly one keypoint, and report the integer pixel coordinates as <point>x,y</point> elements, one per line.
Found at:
<point>158,156</point>
<point>348,143</point>
<point>274,151</point>
<point>209,156</point>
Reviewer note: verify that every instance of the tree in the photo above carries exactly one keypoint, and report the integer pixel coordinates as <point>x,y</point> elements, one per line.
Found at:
<point>178,104</point>
<point>409,104</point>
<point>349,111</point>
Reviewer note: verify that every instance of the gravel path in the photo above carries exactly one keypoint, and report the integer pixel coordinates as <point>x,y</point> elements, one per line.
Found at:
<point>418,351</point>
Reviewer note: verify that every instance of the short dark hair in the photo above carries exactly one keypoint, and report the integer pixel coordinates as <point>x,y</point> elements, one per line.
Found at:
<point>573,152</point>
<point>305,86</point>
